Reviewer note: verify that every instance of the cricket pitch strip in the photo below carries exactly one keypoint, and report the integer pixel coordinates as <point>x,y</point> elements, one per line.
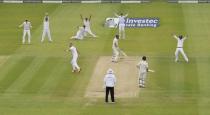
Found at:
<point>126,74</point>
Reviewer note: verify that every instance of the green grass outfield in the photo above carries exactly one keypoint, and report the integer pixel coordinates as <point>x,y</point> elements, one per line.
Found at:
<point>37,80</point>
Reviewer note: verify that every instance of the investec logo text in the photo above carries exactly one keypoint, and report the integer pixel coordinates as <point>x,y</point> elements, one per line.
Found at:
<point>142,22</point>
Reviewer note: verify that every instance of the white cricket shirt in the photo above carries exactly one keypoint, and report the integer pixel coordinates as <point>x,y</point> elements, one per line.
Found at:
<point>81,30</point>
<point>86,23</point>
<point>121,19</point>
<point>115,41</point>
<point>73,51</point>
<point>143,66</point>
<point>180,42</point>
<point>26,25</point>
<point>109,80</point>
<point>46,25</point>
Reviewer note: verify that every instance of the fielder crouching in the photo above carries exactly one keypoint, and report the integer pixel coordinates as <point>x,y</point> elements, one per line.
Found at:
<point>80,33</point>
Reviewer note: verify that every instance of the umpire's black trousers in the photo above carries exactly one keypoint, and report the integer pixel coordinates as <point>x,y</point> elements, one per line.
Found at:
<point>111,91</point>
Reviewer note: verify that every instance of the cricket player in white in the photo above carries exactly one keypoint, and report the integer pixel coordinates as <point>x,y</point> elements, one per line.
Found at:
<point>75,55</point>
<point>26,30</point>
<point>46,28</point>
<point>121,25</point>
<point>86,22</point>
<point>143,69</point>
<point>115,48</point>
<point>179,49</point>
<point>80,33</point>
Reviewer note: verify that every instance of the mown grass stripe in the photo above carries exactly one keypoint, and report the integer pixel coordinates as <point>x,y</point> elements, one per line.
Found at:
<point>177,80</point>
<point>40,77</point>
<point>54,78</point>
<point>65,83</point>
<point>25,77</point>
<point>5,68</point>
<point>14,73</point>
<point>191,77</point>
<point>158,83</point>
<point>203,79</point>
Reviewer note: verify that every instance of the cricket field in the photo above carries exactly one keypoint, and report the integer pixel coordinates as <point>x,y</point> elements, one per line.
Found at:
<point>36,79</point>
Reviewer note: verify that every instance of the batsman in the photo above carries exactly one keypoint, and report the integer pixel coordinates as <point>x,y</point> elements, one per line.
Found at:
<point>116,50</point>
<point>143,69</point>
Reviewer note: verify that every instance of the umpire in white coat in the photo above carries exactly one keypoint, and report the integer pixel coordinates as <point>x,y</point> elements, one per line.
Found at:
<point>110,81</point>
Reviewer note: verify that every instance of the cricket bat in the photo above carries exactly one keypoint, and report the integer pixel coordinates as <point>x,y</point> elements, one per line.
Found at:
<point>151,70</point>
<point>123,53</point>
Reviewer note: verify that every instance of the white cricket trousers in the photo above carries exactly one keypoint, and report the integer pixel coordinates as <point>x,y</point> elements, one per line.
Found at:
<point>116,54</point>
<point>142,78</point>
<point>88,30</point>
<point>180,50</point>
<point>24,36</point>
<point>46,31</point>
<point>122,31</point>
<point>74,64</point>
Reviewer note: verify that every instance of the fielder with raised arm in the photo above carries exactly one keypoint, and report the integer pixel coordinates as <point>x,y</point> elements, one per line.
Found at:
<point>75,55</point>
<point>46,28</point>
<point>115,49</point>
<point>143,69</point>
<point>179,49</point>
<point>26,30</point>
<point>121,24</point>
<point>86,22</point>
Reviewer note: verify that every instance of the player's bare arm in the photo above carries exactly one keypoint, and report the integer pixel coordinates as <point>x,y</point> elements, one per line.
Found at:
<point>116,14</point>
<point>126,15</point>
<point>186,37</point>
<point>78,52</point>
<point>81,16</point>
<point>90,17</point>
<point>174,36</point>
<point>21,25</point>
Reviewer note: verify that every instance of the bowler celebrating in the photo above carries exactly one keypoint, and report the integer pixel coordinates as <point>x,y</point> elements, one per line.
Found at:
<point>121,25</point>
<point>86,22</point>
<point>26,30</point>
<point>46,28</point>
<point>75,55</point>
<point>179,49</point>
